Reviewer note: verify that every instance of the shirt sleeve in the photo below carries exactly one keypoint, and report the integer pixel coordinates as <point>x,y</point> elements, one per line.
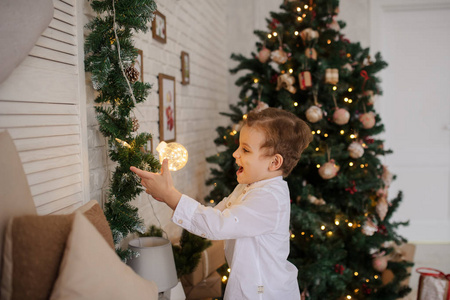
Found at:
<point>257,214</point>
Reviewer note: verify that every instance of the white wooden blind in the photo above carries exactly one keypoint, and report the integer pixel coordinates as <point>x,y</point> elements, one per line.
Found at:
<point>40,107</point>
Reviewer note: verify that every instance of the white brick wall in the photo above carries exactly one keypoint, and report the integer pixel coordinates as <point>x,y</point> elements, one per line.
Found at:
<point>199,28</point>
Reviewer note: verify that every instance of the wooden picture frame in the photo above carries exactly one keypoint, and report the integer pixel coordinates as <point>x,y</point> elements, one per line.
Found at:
<point>167,108</point>
<point>185,70</point>
<point>159,27</point>
<point>139,64</point>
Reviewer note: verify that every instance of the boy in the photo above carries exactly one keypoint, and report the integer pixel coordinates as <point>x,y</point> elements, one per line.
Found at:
<point>254,219</point>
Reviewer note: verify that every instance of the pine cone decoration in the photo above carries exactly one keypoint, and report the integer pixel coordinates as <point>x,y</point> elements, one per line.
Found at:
<point>135,124</point>
<point>132,74</point>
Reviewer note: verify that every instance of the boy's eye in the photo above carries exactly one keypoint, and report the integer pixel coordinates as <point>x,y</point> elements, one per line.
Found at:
<point>245,150</point>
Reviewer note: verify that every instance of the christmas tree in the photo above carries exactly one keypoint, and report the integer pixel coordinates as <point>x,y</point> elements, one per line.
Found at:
<point>342,236</point>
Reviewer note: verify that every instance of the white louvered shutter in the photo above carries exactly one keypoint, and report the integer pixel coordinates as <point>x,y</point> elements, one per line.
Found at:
<point>42,105</point>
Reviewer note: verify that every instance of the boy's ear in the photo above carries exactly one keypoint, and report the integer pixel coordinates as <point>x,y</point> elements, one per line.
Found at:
<point>276,163</point>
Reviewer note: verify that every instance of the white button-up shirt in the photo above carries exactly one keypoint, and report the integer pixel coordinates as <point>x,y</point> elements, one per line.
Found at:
<point>254,221</point>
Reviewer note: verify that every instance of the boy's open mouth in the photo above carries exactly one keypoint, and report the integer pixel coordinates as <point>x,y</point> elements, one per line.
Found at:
<point>240,170</point>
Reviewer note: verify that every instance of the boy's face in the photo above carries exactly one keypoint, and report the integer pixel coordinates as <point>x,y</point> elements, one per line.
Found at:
<point>252,160</point>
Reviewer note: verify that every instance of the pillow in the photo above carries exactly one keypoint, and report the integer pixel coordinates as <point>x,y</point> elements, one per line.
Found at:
<point>34,247</point>
<point>15,194</point>
<point>92,270</point>
<point>93,212</point>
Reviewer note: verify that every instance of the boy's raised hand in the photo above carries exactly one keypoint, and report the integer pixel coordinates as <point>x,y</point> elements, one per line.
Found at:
<point>159,186</point>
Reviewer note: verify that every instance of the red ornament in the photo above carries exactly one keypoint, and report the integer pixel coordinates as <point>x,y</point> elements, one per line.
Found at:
<point>382,229</point>
<point>352,189</point>
<point>274,24</point>
<point>339,269</point>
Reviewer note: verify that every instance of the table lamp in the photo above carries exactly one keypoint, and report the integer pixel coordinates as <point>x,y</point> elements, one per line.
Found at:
<point>154,262</point>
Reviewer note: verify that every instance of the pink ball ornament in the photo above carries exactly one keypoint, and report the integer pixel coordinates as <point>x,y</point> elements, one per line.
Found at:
<point>379,263</point>
<point>341,116</point>
<point>355,150</point>
<point>264,55</point>
<point>328,170</point>
<point>314,114</point>
<point>367,120</point>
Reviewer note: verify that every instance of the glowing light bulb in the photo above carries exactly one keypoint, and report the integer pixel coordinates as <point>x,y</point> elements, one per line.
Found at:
<point>229,270</point>
<point>336,222</point>
<point>244,117</point>
<point>295,103</point>
<point>317,149</point>
<point>328,42</point>
<point>296,32</point>
<point>350,89</point>
<point>313,132</point>
<point>325,135</point>
<point>346,99</point>
<point>224,279</point>
<point>255,80</point>
<point>334,88</point>
<point>291,71</point>
<point>299,9</point>
<point>175,153</point>
<point>299,19</point>
<point>356,273</point>
<point>275,33</point>
<point>376,276</point>
<point>342,132</point>
<point>349,297</point>
<point>269,36</point>
<point>329,233</point>
<point>350,224</point>
<point>322,227</point>
<point>211,201</point>
<point>318,131</point>
<point>318,166</point>
<point>350,164</point>
<point>292,236</point>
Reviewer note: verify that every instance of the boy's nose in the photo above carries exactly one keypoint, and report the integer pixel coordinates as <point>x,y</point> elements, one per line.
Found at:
<point>235,154</point>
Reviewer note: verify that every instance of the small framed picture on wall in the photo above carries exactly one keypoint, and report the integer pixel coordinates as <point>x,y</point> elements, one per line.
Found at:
<point>159,27</point>
<point>167,121</point>
<point>185,72</point>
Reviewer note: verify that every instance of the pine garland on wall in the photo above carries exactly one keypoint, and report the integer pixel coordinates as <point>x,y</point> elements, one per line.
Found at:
<point>110,56</point>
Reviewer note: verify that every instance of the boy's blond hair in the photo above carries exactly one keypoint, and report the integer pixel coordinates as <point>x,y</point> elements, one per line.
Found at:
<point>285,134</point>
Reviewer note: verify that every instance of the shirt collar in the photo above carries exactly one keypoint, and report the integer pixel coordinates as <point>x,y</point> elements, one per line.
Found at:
<point>260,183</point>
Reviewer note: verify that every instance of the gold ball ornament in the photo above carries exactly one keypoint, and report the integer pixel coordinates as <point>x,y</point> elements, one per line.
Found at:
<point>328,170</point>
<point>341,116</point>
<point>314,114</point>
<point>175,153</point>
<point>355,150</point>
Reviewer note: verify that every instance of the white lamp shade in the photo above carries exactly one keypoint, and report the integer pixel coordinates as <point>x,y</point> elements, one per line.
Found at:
<point>155,261</point>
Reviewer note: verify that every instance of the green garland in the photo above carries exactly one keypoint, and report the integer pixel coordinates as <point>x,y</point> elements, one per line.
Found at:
<point>109,52</point>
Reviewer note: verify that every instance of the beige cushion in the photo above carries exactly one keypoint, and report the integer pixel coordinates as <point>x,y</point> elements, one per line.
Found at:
<point>15,195</point>
<point>34,247</point>
<point>92,270</point>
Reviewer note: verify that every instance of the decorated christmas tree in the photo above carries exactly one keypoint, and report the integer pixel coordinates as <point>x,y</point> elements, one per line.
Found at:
<point>343,241</point>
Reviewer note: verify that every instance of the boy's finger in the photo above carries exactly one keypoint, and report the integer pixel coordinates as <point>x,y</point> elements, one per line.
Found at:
<point>165,166</point>
<point>140,173</point>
